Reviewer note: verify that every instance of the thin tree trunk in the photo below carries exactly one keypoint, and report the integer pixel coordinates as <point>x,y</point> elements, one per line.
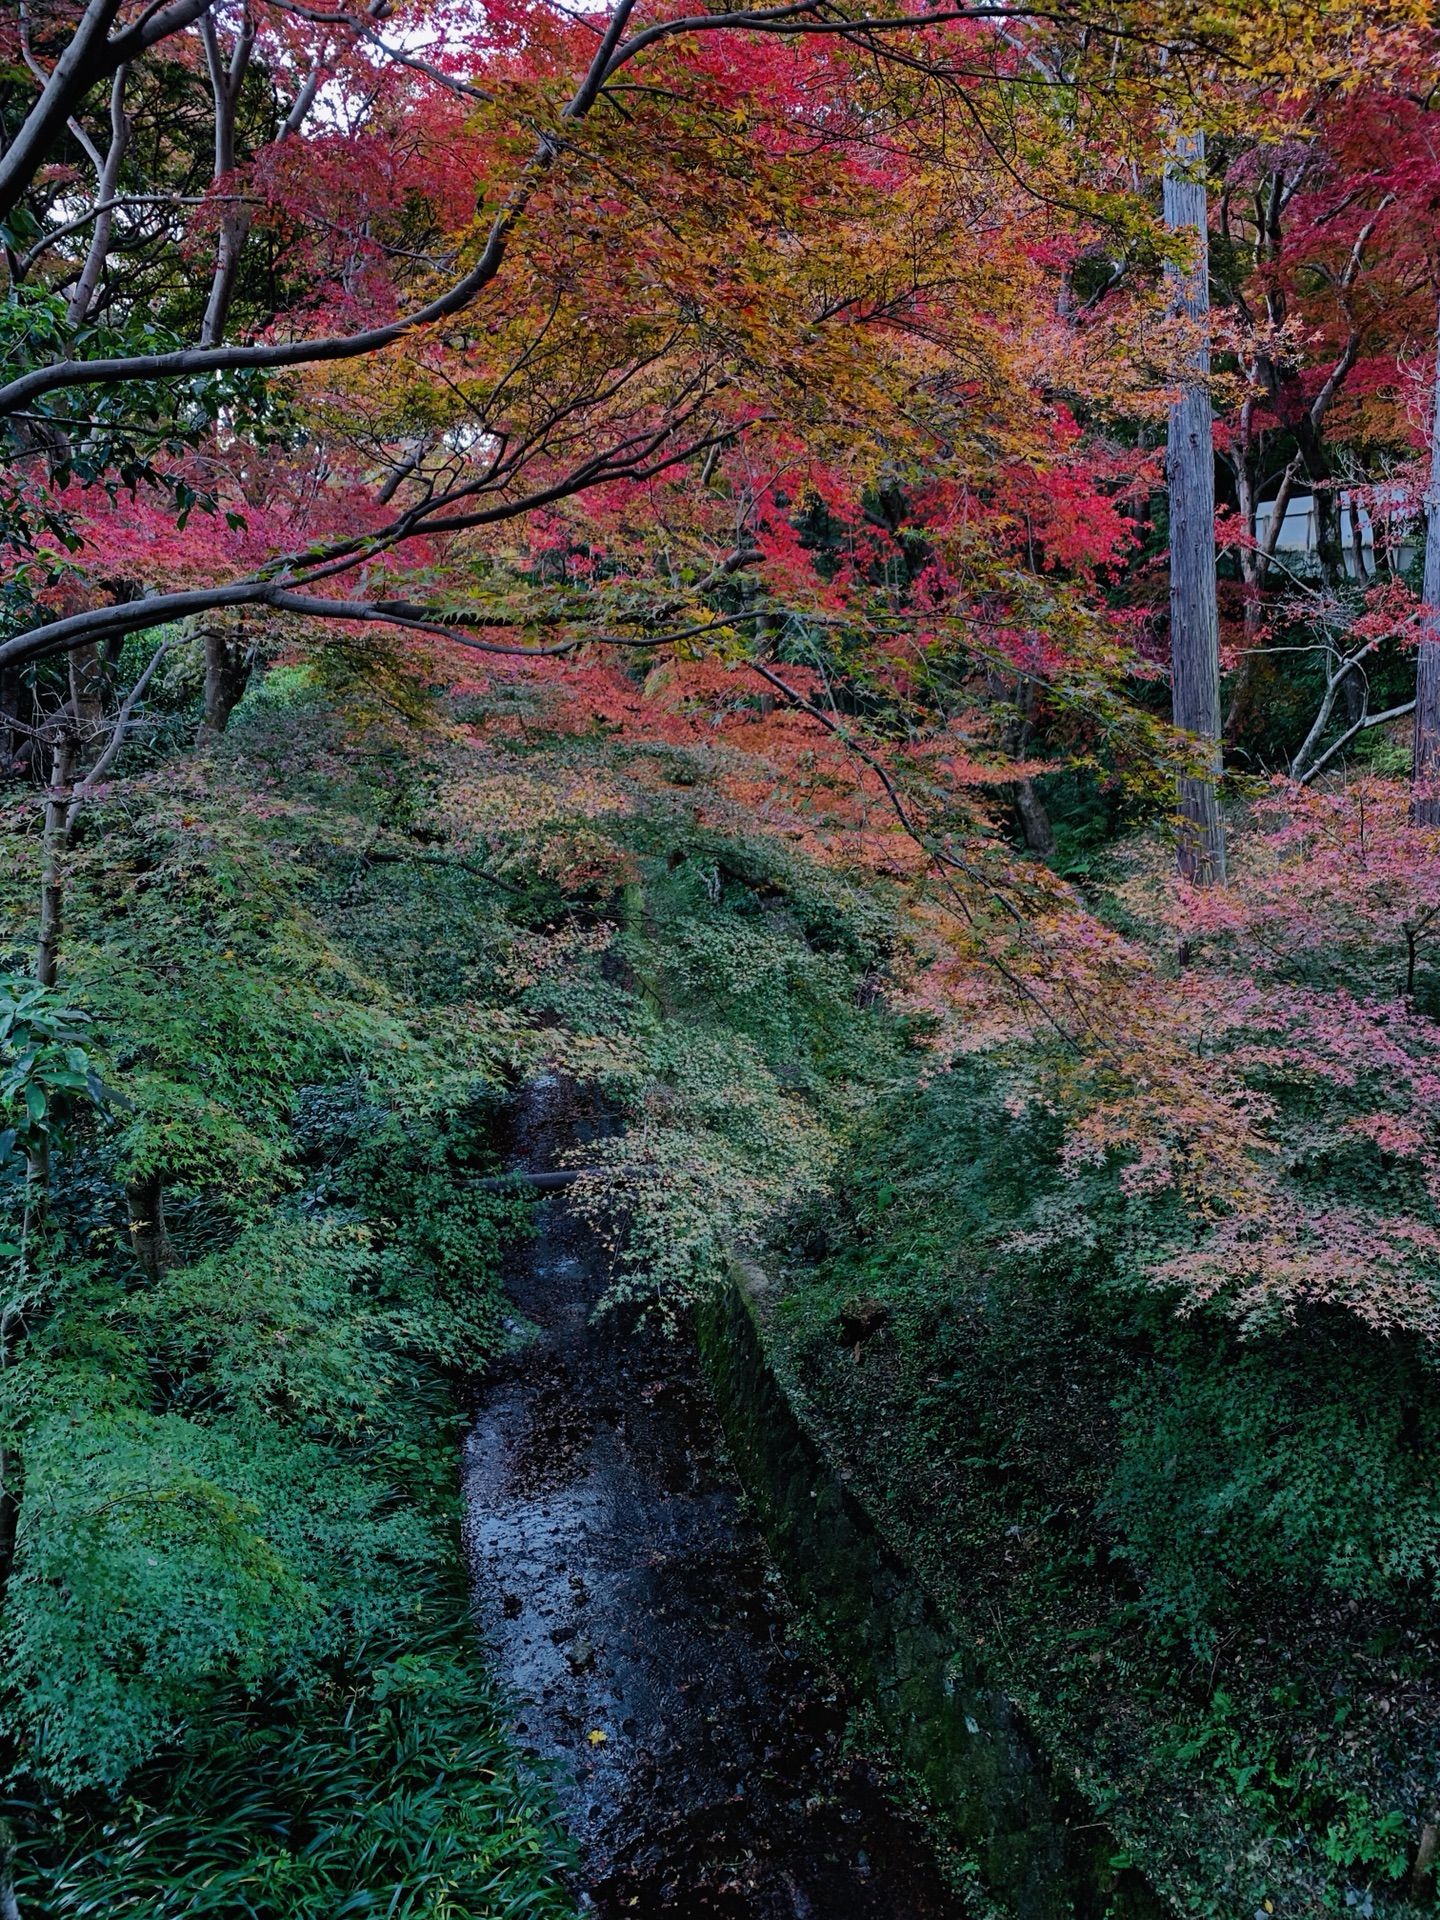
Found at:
<point>1029,807</point>
<point>1253,570</point>
<point>12,741</point>
<point>145,1199</point>
<point>9,1905</point>
<point>1329,544</point>
<point>47,953</point>
<point>226,81</point>
<point>88,687</point>
<point>1190,474</point>
<point>1034,820</point>
<point>82,298</point>
<point>1425,1854</point>
<point>52,873</point>
<point>1426,761</point>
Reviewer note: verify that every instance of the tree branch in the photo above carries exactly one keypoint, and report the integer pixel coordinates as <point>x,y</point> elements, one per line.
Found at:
<point>83,296</point>
<point>610,56</point>
<point>90,57</point>
<point>1332,688</point>
<point>1366,720</point>
<point>87,787</point>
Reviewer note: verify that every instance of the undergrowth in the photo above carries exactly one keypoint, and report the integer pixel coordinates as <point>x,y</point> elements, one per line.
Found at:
<point>239,1675</point>
<point>238,1672</point>
<point>1204,1563</point>
<point>316,959</point>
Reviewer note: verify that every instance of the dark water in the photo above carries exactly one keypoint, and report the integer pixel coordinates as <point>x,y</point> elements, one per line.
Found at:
<point>629,1605</point>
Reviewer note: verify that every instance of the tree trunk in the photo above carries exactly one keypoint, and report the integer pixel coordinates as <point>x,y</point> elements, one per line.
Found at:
<point>1029,807</point>
<point>1353,696</point>
<point>1190,474</point>
<point>145,1199</point>
<point>47,953</point>
<point>12,741</point>
<point>82,299</point>
<point>1426,762</point>
<point>1034,820</point>
<point>1423,1870</point>
<point>227,674</point>
<point>1254,570</point>
<point>1329,542</point>
<point>9,1905</point>
<point>1244,687</point>
<point>226,80</point>
<point>52,873</point>
<point>89,689</point>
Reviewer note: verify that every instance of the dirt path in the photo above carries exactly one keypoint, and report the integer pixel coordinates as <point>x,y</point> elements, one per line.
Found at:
<point>629,1605</point>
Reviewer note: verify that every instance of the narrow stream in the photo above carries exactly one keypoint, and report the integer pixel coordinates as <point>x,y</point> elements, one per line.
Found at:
<point>629,1605</point>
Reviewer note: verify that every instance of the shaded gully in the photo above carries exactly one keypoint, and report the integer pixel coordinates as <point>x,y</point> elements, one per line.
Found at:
<point>629,1605</point>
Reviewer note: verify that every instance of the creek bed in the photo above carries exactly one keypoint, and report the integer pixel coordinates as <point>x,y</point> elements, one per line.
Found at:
<point>629,1604</point>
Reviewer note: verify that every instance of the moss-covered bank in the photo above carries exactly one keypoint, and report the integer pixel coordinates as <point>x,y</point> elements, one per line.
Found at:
<point>1194,1555</point>
<point>1034,1845</point>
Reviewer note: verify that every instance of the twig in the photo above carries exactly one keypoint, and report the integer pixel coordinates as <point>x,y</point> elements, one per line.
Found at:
<point>541,1182</point>
<point>1333,685</point>
<point>379,856</point>
<point>941,858</point>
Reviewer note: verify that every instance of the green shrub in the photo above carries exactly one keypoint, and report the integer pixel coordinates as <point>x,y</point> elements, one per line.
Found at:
<point>388,1791</point>
<point>1289,1464</point>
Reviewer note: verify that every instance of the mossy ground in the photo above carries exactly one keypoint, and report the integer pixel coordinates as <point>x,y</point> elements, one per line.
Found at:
<point>1140,1523</point>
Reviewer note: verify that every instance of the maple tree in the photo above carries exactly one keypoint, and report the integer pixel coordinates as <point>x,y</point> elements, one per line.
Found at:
<point>753,352</point>
<point>748,335</point>
<point>367,289</point>
<point>1327,296</point>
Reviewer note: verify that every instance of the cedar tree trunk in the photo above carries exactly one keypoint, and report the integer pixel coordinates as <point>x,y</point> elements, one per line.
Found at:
<point>1426,764</point>
<point>1190,474</point>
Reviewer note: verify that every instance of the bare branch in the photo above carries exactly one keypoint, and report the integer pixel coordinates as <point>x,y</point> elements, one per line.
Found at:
<point>289,589</point>
<point>90,57</point>
<point>124,200</point>
<point>1366,720</point>
<point>86,788</point>
<point>304,100</point>
<point>82,297</point>
<point>226,80</point>
<point>403,59</point>
<point>1333,685</point>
